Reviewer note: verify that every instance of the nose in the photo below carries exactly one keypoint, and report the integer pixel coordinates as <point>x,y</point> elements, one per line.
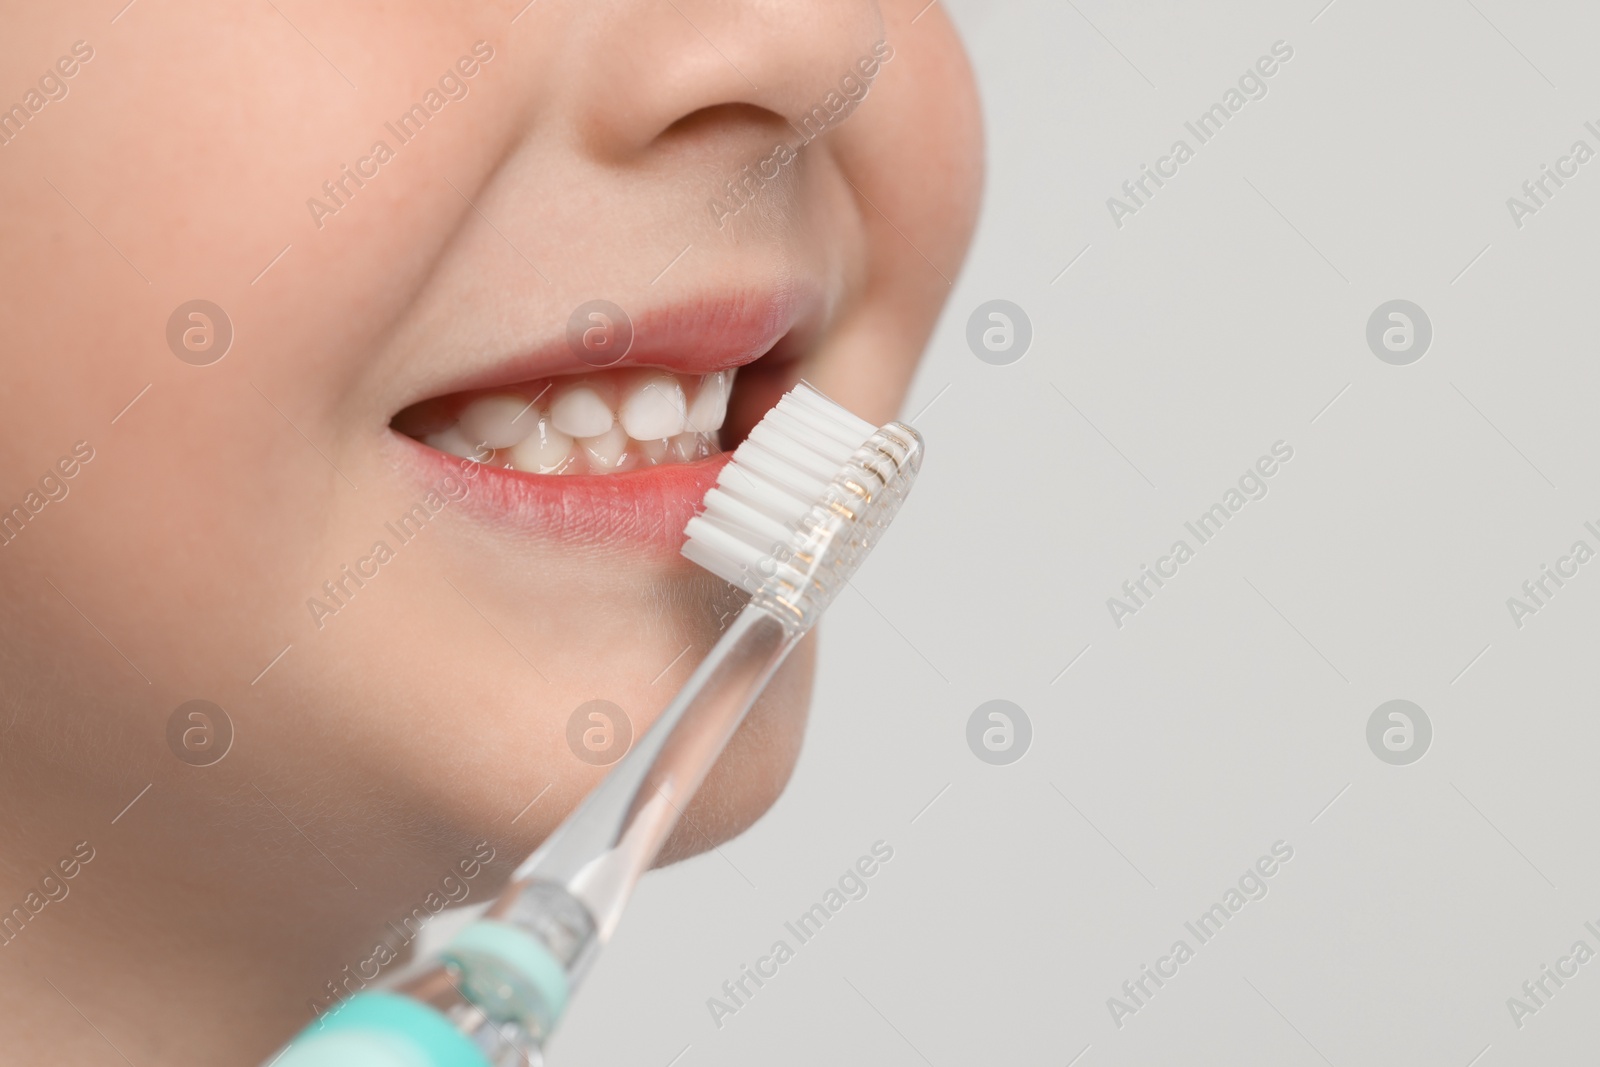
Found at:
<point>746,63</point>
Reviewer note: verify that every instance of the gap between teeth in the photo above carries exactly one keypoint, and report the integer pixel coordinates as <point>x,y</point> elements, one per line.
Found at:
<point>600,424</point>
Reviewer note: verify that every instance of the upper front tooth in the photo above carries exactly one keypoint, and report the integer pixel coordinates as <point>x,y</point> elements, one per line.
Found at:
<point>654,410</point>
<point>580,411</point>
<point>710,407</point>
<point>498,421</point>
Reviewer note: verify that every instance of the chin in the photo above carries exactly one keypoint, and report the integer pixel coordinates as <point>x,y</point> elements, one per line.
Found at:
<point>755,767</point>
<point>483,749</point>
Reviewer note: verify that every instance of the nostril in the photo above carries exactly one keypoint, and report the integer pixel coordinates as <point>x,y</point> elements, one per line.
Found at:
<point>718,122</point>
<point>691,65</point>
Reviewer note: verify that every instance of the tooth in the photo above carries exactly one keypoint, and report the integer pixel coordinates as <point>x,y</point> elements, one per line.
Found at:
<point>651,453</point>
<point>688,447</point>
<point>607,451</point>
<point>581,411</point>
<point>710,407</point>
<point>498,421</point>
<point>456,443</point>
<point>545,451</point>
<point>653,410</point>
<point>584,429</point>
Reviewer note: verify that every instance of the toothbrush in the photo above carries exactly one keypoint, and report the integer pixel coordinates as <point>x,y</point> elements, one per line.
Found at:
<point>796,510</point>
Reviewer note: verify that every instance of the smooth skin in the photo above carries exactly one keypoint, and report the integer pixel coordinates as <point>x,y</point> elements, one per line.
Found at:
<point>371,758</point>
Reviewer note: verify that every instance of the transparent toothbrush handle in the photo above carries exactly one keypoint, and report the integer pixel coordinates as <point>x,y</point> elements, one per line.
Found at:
<point>600,851</point>
<point>521,960</point>
<point>504,982</point>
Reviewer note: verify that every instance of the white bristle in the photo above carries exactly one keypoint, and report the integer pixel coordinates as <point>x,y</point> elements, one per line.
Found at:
<point>756,491</point>
<point>827,411</point>
<point>721,553</point>
<point>774,466</point>
<point>733,511</point>
<point>824,439</point>
<point>797,452</point>
<point>773,480</point>
<point>820,418</point>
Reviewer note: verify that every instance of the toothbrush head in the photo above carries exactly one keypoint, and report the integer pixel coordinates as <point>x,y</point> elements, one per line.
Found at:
<point>802,502</point>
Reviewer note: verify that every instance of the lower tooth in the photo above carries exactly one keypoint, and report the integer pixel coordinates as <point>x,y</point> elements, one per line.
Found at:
<point>608,451</point>
<point>456,443</point>
<point>651,452</point>
<point>688,447</point>
<point>546,451</point>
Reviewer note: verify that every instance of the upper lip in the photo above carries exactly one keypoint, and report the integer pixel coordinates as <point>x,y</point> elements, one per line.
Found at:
<point>710,332</point>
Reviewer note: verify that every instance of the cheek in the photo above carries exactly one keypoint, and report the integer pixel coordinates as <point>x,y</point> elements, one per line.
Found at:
<point>923,106</point>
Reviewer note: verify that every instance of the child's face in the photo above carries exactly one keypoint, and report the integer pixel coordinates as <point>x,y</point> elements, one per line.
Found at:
<point>394,203</point>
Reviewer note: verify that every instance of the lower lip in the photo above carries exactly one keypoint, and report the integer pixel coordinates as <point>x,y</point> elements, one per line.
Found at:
<point>637,511</point>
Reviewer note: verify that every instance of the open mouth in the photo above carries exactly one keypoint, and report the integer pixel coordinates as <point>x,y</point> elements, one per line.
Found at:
<point>605,422</point>
<point>624,453</point>
<point>697,378</point>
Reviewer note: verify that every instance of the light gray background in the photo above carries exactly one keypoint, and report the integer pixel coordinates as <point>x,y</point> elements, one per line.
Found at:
<point>1227,715</point>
